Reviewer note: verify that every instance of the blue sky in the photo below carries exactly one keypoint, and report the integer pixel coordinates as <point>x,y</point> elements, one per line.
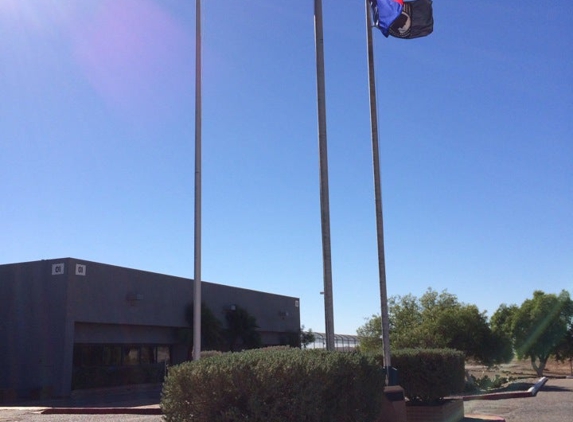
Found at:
<point>476,138</point>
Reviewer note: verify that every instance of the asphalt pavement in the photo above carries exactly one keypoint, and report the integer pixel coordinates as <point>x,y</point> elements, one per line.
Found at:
<point>553,403</point>
<point>137,403</point>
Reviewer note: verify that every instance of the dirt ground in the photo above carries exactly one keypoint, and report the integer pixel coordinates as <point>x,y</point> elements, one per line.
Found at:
<point>515,376</point>
<point>521,369</point>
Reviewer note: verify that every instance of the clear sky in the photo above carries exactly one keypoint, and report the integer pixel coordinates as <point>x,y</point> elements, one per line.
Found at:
<point>476,138</point>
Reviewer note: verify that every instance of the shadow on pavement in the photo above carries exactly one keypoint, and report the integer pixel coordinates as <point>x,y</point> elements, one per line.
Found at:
<point>553,388</point>
<point>126,396</point>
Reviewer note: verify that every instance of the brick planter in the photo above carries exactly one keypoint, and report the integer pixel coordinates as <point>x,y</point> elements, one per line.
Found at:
<point>448,411</point>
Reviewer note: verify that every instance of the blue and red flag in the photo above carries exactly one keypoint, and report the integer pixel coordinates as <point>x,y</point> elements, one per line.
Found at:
<point>385,12</point>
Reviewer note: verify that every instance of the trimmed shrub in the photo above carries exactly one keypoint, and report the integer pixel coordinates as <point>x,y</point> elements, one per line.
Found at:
<point>275,348</point>
<point>210,353</point>
<point>429,375</point>
<point>274,385</point>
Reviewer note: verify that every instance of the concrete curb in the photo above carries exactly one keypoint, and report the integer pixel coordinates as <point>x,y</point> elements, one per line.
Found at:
<point>532,392</point>
<point>477,418</point>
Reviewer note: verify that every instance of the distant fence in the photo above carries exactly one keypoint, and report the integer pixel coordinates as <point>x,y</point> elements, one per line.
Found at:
<point>342,342</point>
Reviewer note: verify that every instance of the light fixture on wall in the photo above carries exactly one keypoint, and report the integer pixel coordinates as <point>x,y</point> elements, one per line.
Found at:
<point>133,297</point>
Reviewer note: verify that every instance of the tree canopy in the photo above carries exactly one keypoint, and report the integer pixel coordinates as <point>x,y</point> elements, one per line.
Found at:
<point>370,335</point>
<point>437,320</point>
<point>242,329</point>
<point>565,348</point>
<point>538,328</point>
<point>212,333</point>
<point>306,337</point>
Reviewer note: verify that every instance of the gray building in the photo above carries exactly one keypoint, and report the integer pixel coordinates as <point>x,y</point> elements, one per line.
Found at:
<point>61,316</point>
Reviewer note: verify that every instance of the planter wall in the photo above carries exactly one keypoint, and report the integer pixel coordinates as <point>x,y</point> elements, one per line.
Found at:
<point>449,411</point>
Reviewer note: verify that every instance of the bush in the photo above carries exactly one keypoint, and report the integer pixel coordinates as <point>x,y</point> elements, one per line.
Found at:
<point>486,383</point>
<point>210,353</point>
<point>429,375</point>
<point>274,385</point>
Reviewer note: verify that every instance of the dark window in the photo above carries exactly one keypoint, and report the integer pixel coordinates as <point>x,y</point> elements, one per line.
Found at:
<point>88,355</point>
<point>131,355</point>
<point>163,354</point>
<point>111,355</point>
<point>94,355</point>
<point>147,355</point>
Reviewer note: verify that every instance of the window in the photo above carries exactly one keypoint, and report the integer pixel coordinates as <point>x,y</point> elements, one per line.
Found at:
<point>111,355</point>
<point>163,355</point>
<point>93,355</point>
<point>131,355</point>
<point>147,354</point>
<point>88,355</point>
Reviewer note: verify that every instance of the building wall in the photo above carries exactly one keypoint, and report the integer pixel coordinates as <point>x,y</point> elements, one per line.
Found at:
<point>108,294</point>
<point>32,335</point>
<point>44,312</point>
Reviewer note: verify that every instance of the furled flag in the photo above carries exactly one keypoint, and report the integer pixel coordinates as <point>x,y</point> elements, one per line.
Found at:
<point>414,20</point>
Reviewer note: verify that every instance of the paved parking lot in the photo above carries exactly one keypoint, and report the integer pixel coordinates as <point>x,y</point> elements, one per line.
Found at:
<point>142,396</point>
<point>27,416</point>
<point>553,403</point>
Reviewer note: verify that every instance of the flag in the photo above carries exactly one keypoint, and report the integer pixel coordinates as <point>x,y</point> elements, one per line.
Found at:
<point>385,12</point>
<point>416,20</point>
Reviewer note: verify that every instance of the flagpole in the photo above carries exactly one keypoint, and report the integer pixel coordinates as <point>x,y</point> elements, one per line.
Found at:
<point>198,114</point>
<point>324,195</point>
<point>378,191</point>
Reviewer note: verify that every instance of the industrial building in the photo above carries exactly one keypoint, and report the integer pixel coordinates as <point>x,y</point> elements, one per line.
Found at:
<point>61,317</point>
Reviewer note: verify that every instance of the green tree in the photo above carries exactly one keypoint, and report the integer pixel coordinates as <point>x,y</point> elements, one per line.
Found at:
<point>501,327</point>
<point>370,335</point>
<point>242,329</point>
<point>465,328</point>
<point>502,320</point>
<point>406,322</point>
<point>306,337</point>
<point>565,349</point>
<point>436,320</point>
<point>211,330</point>
<point>540,325</point>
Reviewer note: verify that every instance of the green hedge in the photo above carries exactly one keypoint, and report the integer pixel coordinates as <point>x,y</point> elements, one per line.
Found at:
<point>210,353</point>
<point>429,375</point>
<point>275,385</point>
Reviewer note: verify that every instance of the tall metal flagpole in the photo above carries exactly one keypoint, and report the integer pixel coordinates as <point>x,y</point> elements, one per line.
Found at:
<point>378,191</point>
<point>324,197</point>
<point>198,110</point>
